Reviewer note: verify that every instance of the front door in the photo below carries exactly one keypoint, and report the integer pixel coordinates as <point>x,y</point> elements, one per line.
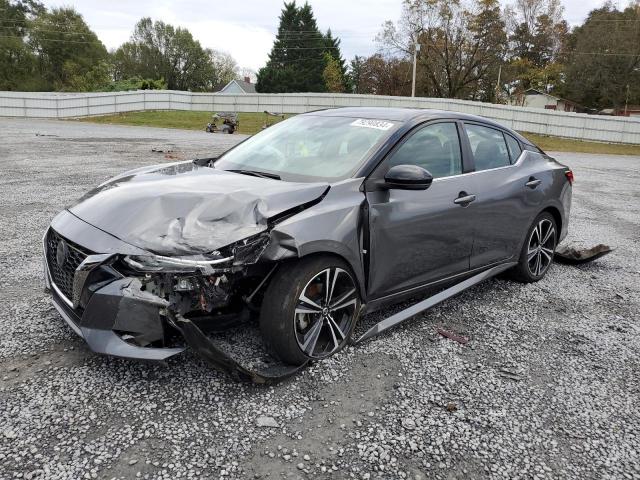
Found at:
<point>421,236</point>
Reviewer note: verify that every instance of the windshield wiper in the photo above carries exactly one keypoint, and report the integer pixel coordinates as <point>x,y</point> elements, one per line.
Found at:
<point>256,173</point>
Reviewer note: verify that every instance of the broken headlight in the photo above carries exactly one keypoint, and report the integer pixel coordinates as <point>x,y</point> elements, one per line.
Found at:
<point>159,263</point>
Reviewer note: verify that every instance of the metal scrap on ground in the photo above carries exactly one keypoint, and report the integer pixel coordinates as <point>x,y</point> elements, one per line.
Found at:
<point>453,336</point>
<point>576,256</point>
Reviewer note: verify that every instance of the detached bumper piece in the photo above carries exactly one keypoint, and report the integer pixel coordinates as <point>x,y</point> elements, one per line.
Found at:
<point>578,256</point>
<point>239,352</point>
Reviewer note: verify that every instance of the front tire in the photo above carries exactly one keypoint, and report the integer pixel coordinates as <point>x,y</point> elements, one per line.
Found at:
<point>537,252</point>
<point>309,309</point>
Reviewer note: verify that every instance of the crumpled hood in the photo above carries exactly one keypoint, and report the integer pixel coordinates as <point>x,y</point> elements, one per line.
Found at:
<point>185,209</point>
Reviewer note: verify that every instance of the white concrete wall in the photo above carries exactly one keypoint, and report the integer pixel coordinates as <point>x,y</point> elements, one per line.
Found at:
<point>547,122</point>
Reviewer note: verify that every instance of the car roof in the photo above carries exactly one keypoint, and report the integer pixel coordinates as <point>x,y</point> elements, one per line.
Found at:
<point>409,115</point>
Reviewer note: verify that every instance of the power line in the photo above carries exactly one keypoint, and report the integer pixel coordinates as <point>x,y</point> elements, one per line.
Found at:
<point>52,39</point>
<point>38,30</point>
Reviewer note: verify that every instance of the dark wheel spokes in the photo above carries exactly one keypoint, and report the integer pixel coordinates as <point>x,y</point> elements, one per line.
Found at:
<point>325,312</point>
<point>542,243</point>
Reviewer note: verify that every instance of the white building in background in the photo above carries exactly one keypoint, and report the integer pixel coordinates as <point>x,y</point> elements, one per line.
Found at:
<point>236,87</point>
<point>537,99</point>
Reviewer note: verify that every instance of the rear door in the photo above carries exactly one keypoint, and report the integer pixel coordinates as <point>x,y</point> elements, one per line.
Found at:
<point>420,236</point>
<point>507,195</point>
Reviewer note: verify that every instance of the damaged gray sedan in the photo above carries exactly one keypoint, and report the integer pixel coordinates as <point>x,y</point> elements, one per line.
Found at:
<point>300,230</point>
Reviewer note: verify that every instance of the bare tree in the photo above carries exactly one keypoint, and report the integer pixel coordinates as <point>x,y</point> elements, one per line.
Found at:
<point>462,45</point>
<point>225,68</point>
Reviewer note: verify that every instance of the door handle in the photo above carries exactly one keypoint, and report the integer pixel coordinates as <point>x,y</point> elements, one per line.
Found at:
<point>464,199</point>
<point>533,182</point>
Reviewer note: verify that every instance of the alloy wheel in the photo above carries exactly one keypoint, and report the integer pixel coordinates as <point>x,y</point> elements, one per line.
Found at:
<point>325,312</point>
<point>542,243</point>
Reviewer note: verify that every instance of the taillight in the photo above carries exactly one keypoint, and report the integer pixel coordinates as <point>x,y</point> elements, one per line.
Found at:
<point>569,175</point>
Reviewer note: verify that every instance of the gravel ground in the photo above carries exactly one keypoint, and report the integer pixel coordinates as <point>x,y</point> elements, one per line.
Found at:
<point>547,387</point>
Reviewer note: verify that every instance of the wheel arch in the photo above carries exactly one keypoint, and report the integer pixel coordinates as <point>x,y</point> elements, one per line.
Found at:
<point>552,210</point>
<point>336,250</point>
<point>557,216</point>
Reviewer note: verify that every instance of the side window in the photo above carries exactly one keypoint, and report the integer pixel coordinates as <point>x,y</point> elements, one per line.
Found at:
<point>514,147</point>
<point>435,148</point>
<point>488,146</point>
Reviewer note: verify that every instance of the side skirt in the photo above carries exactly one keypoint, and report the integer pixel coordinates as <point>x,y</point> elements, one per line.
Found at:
<point>419,307</point>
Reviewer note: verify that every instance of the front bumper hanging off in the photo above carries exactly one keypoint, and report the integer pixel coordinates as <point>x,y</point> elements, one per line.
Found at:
<point>107,310</point>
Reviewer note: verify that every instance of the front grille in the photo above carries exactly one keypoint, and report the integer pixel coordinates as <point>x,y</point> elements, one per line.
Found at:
<point>71,257</point>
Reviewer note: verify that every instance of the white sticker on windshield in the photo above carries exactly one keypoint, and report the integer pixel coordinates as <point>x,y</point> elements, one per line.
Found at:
<point>377,124</point>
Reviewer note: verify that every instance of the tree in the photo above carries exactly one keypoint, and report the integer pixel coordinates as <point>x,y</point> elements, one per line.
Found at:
<point>135,83</point>
<point>297,61</point>
<point>225,68</point>
<point>333,49</point>
<point>380,75</point>
<point>355,75</point>
<point>160,51</point>
<point>462,45</point>
<point>17,61</point>
<point>538,41</point>
<point>332,76</point>
<point>604,58</point>
<point>70,55</point>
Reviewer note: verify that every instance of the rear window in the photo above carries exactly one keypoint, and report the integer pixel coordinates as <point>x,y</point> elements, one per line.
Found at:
<point>514,147</point>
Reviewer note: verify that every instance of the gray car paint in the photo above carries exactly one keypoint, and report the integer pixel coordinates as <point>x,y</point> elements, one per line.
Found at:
<point>187,209</point>
<point>129,216</point>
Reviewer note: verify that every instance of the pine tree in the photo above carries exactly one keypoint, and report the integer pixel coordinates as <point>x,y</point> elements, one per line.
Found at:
<point>296,62</point>
<point>333,48</point>
<point>333,79</point>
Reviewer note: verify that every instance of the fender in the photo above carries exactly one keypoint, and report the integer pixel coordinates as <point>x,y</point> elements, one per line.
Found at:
<point>332,226</point>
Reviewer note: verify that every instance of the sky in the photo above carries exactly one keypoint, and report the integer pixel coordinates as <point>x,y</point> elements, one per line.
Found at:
<point>246,28</point>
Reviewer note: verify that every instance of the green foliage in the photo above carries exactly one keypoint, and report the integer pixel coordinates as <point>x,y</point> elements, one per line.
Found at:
<point>604,61</point>
<point>332,75</point>
<point>539,45</point>
<point>42,50</point>
<point>297,61</point>
<point>158,50</point>
<point>69,54</point>
<point>355,75</point>
<point>333,49</point>
<point>17,60</point>
<point>134,83</point>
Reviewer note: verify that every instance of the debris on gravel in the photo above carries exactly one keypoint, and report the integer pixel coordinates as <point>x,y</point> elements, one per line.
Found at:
<point>547,386</point>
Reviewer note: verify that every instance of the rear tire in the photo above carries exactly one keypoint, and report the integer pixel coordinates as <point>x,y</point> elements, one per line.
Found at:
<point>537,252</point>
<point>301,319</point>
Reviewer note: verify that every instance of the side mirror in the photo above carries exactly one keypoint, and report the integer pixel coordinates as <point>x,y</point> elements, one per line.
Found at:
<point>407,177</point>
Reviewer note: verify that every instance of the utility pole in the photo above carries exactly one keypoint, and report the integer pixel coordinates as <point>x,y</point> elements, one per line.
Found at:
<point>498,84</point>
<point>626,102</point>
<point>416,49</point>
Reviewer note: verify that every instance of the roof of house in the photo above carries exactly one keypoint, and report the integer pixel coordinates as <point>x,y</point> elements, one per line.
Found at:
<point>246,87</point>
